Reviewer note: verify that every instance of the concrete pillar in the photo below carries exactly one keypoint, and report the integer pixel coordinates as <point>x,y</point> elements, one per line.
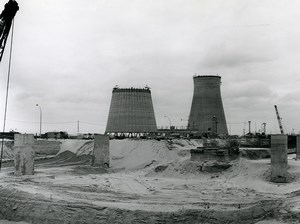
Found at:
<point>279,158</point>
<point>298,147</point>
<point>24,154</point>
<point>101,151</point>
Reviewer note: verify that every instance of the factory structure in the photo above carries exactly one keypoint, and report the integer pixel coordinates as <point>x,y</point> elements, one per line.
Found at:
<point>131,110</point>
<point>207,113</point>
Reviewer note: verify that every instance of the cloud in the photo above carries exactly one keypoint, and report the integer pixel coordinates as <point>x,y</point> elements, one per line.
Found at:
<point>239,51</point>
<point>248,89</point>
<point>68,55</point>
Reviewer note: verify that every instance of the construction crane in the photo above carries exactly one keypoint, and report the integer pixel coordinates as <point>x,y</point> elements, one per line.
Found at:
<point>279,120</point>
<point>6,18</point>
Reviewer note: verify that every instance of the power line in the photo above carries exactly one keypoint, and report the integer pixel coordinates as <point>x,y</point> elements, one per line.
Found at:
<point>36,122</point>
<point>57,122</point>
<point>90,123</point>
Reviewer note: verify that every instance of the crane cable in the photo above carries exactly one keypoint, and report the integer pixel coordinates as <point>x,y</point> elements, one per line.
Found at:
<point>6,98</point>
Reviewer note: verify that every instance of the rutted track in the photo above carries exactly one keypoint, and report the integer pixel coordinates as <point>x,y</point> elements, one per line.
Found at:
<point>18,205</point>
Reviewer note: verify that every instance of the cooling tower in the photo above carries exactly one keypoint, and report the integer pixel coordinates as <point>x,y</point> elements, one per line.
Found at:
<point>131,111</point>
<point>207,113</point>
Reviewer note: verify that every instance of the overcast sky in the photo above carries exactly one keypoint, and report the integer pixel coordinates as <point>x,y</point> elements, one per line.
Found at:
<point>69,54</point>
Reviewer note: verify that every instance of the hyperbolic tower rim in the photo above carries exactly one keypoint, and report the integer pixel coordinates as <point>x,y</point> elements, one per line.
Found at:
<point>131,89</point>
<point>206,76</point>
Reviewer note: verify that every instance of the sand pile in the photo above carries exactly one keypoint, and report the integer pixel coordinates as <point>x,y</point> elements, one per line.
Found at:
<point>128,153</point>
<point>139,154</point>
<point>176,190</point>
<point>255,153</point>
<point>186,168</point>
<point>46,147</point>
<point>8,150</point>
<point>41,148</point>
<point>78,147</point>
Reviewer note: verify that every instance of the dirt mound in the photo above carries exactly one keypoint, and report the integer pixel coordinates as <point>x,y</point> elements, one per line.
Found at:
<point>215,167</point>
<point>65,156</point>
<point>86,148</point>
<point>73,152</point>
<point>132,154</point>
<point>188,168</point>
<point>8,150</point>
<point>41,147</point>
<point>138,154</point>
<point>46,147</point>
<point>69,158</point>
<point>78,147</point>
<point>255,153</point>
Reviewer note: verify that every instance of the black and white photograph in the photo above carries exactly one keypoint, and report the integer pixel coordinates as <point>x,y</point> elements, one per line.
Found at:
<point>147,111</point>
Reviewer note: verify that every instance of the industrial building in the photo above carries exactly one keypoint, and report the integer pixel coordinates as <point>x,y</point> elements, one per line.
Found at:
<point>131,111</point>
<point>207,113</point>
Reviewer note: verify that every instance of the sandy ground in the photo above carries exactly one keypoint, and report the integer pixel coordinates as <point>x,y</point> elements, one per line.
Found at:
<point>11,222</point>
<point>157,178</point>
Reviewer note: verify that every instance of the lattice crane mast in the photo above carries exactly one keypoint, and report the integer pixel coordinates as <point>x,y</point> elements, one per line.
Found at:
<point>6,18</point>
<point>279,120</point>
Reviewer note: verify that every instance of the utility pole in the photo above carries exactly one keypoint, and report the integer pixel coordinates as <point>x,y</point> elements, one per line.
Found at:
<point>41,119</point>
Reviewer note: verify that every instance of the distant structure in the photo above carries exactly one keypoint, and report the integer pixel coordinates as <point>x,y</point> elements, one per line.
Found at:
<point>207,113</point>
<point>131,111</point>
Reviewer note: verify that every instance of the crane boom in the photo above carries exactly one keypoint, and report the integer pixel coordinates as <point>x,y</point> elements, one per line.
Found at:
<point>6,18</point>
<point>279,120</point>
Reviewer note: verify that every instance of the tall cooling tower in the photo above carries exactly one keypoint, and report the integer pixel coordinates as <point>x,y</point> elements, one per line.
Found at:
<point>131,111</point>
<point>207,113</point>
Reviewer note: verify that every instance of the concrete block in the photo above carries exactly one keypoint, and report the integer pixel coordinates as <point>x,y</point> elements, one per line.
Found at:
<point>298,147</point>
<point>279,159</point>
<point>24,154</point>
<point>101,151</point>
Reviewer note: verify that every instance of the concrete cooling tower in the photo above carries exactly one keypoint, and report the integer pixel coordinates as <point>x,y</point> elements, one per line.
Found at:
<point>207,113</point>
<point>131,111</point>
